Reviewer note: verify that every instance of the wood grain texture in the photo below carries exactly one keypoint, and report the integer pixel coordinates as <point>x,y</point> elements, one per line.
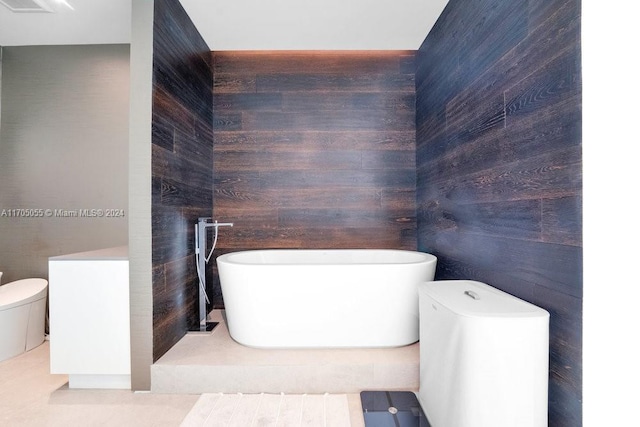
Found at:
<point>306,141</point>
<point>499,164</point>
<point>315,149</point>
<point>313,62</point>
<point>182,175</point>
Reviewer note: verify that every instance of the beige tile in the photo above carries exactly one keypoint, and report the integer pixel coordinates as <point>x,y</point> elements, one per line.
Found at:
<point>396,376</point>
<point>355,410</point>
<point>31,396</point>
<point>206,363</point>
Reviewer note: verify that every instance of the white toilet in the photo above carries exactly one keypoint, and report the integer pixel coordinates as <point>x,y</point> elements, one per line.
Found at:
<point>22,316</point>
<point>484,356</point>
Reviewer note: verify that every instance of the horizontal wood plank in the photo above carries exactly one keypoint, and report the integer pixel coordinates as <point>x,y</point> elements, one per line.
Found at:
<point>332,166</point>
<point>304,140</point>
<point>354,120</point>
<point>337,180</point>
<point>323,82</point>
<point>182,176</point>
<point>305,62</point>
<point>364,198</point>
<point>499,164</point>
<point>294,160</point>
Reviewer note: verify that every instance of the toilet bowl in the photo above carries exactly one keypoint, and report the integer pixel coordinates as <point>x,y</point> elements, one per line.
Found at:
<point>22,316</point>
<point>484,356</point>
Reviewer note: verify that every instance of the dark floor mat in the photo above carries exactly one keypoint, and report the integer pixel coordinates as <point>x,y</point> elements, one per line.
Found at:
<point>392,409</point>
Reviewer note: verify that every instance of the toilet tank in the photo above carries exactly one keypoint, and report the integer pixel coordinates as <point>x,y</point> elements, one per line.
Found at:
<point>484,356</point>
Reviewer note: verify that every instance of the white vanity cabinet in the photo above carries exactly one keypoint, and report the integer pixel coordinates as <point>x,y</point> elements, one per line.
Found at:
<point>89,318</point>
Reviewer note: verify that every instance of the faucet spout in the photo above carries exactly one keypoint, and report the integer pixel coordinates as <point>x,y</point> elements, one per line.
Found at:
<point>204,222</point>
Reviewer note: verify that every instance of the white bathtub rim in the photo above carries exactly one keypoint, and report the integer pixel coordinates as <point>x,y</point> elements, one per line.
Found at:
<point>234,258</point>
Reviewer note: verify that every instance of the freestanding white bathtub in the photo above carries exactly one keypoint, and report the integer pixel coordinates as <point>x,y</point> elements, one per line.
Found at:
<point>307,298</point>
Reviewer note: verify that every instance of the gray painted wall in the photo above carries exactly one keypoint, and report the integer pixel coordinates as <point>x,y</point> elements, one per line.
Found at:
<point>64,137</point>
<point>140,284</point>
<point>0,84</point>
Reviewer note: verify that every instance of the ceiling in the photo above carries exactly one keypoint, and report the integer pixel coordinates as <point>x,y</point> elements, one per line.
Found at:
<point>238,24</point>
<point>92,22</point>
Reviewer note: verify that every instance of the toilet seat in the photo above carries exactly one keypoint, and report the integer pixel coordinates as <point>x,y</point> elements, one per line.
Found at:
<point>21,292</point>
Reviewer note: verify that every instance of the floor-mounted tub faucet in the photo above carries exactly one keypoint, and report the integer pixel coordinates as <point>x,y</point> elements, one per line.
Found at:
<point>201,261</point>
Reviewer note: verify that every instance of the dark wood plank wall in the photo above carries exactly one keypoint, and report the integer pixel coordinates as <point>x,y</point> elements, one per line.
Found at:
<point>182,177</point>
<point>498,109</point>
<point>314,150</point>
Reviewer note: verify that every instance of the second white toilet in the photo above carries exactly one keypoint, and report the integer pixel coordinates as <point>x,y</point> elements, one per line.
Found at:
<point>484,356</point>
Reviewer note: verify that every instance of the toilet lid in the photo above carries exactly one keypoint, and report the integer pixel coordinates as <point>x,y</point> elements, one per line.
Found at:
<point>477,299</point>
<point>22,292</point>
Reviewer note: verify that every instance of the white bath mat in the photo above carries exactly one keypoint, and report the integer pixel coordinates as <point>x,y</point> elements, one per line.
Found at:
<point>269,410</point>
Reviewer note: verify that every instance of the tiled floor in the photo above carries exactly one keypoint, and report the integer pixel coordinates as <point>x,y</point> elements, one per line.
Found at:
<point>31,396</point>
